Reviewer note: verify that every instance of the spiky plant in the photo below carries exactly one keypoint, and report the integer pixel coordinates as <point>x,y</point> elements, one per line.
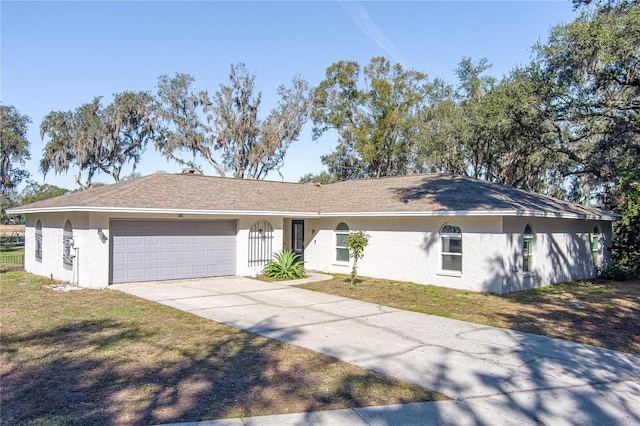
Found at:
<point>285,266</point>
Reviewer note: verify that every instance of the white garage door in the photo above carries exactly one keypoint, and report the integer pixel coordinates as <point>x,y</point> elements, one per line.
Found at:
<point>149,250</point>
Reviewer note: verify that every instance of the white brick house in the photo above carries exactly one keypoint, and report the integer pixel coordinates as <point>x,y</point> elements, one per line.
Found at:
<point>445,230</point>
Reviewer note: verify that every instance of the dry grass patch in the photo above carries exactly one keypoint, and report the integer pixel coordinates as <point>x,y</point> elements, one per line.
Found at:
<point>7,231</point>
<point>103,357</point>
<point>604,314</point>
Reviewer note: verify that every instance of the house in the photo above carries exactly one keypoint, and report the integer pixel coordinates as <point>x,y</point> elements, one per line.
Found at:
<point>439,229</point>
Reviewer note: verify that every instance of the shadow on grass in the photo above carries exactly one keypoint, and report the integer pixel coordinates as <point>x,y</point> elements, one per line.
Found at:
<point>79,374</point>
<point>604,314</point>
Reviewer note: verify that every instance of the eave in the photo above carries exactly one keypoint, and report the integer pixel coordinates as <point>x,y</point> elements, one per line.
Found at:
<point>309,214</point>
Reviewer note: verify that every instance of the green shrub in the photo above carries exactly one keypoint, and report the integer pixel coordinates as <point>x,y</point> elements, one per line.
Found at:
<point>616,272</point>
<point>356,242</point>
<point>285,266</point>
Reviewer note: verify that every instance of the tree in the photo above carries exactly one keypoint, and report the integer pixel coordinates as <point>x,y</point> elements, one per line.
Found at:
<point>14,148</point>
<point>34,192</point>
<point>323,178</point>
<point>228,121</point>
<point>374,118</point>
<point>186,129</point>
<point>97,139</point>
<point>626,247</point>
<point>356,243</point>
<point>591,69</point>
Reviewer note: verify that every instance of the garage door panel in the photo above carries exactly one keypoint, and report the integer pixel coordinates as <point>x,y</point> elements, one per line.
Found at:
<point>134,241</point>
<point>156,250</point>
<point>133,274</point>
<point>155,240</point>
<point>152,256</point>
<point>135,256</point>
<point>199,239</point>
<point>168,256</point>
<point>170,271</point>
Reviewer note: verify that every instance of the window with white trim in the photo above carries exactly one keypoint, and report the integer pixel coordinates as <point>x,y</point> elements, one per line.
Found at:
<point>38,244</point>
<point>342,252</point>
<point>451,249</point>
<point>595,246</point>
<point>527,249</point>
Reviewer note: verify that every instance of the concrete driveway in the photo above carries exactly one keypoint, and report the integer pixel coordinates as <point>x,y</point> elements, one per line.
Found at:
<point>495,375</point>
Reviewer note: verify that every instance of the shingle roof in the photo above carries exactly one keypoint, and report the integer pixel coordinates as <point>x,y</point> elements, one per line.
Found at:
<point>165,191</point>
<point>406,195</point>
<point>442,193</point>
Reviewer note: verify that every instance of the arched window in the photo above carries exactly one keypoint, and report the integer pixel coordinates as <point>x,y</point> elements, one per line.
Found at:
<point>342,252</point>
<point>38,245</point>
<point>527,249</point>
<point>67,246</point>
<point>451,248</point>
<point>260,243</point>
<point>595,246</point>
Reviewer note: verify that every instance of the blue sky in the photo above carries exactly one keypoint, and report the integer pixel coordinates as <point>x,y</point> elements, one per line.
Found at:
<point>59,55</point>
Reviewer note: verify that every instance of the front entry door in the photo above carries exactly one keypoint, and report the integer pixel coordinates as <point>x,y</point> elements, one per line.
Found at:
<point>297,237</point>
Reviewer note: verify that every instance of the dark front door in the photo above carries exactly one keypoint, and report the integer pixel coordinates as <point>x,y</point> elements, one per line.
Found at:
<point>297,237</point>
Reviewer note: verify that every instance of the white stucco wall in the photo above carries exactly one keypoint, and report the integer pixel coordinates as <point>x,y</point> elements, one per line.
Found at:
<point>401,248</point>
<point>408,249</point>
<point>561,250</point>
<point>242,242</point>
<point>91,265</point>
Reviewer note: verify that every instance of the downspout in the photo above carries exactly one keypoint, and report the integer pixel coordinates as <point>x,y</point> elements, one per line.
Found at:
<point>75,279</point>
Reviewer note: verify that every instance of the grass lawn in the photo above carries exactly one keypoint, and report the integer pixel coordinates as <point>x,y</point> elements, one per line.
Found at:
<point>11,250</point>
<point>604,314</point>
<point>103,357</point>
<point>11,256</point>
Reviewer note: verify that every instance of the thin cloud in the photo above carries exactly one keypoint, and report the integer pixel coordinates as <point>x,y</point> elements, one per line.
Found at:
<point>361,18</point>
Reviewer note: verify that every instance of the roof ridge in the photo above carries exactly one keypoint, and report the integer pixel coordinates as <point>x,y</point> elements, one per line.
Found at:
<point>118,186</point>
<point>237,179</point>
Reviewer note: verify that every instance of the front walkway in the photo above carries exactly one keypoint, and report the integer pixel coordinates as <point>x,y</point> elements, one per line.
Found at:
<point>496,376</point>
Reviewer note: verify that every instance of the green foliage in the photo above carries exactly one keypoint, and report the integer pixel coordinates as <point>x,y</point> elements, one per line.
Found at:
<point>590,82</point>
<point>34,192</point>
<point>323,178</point>
<point>98,139</point>
<point>626,247</point>
<point>14,150</point>
<point>356,243</point>
<point>7,200</point>
<point>616,272</point>
<point>249,147</point>
<point>489,129</point>
<point>373,112</point>
<point>285,266</point>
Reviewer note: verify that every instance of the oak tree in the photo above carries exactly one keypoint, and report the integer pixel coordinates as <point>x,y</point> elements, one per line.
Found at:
<point>228,121</point>
<point>373,111</point>
<point>97,139</point>
<point>14,148</point>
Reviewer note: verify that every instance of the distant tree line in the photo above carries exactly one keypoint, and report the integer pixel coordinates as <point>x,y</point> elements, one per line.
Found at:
<point>567,124</point>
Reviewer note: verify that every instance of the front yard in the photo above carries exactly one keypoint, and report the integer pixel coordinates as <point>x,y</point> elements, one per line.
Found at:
<point>604,314</point>
<point>102,357</point>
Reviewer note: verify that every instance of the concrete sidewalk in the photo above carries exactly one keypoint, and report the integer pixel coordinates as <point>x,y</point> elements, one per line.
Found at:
<point>496,376</point>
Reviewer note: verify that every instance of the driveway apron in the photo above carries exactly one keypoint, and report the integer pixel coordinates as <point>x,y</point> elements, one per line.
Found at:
<point>519,375</point>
